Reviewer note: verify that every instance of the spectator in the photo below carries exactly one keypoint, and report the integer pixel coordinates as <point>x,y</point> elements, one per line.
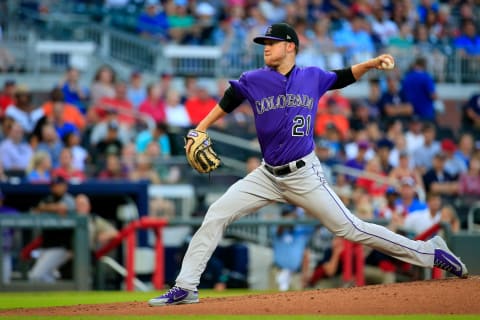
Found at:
<point>144,170</point>
<point>408,201</point>
<point>159,135</point>
<point>291,257</point>
<point>80,156</point>
<point>136,92</point>
<point>64,115</point>
<point>424,46</point>
<point>324,153</point>
<point>120,103</point>
<point>73,92</point>
<point>393,103</point>
<point>168,172</point>
<point>419,88</point>
<point>66,170</point>
<point>100,230</point>
<point>56,243</point>
<point>103,84</point>
<point>471,115</point>
<point>467,45</point>
<point>109,144</point>
<point>322,43</point>
<point>205,25</point>
<point>333,116</point>
<point>354,39</point>
<point>424,219</point>
<point>361,117</point>
<point>153,22</point>
<point>405,169</point>
<point>439,181</point>
<point>50,142</point>
<point>39,168</point>
<point>400,146</point>
<point>453,165</point>
<point>113,169</point>
<point>23,111</point>
<point>359,161</point>
<point>383,28</point>
<point>7,96</point>
<point>401,45</point>
<point>465,147</point>
<point>469,181</point>
<point>200,104</point>
<point>423,155</point>
<point>384,146</point>
<point>101,129</point>
<point>175,112</point>
<point>330,267</point>
<point>165,83</point>
<point>414,137</point>
<point>153,105</point>
<point>15,153</point>
<point>180,21</point>
<point>8,238</point>
<point>371,183</point>
<point>449,215</point>
<point>128,156</point>
<point>360,139</point>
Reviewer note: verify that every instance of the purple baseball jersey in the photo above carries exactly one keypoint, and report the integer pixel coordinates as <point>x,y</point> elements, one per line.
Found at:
<point>285,109</point>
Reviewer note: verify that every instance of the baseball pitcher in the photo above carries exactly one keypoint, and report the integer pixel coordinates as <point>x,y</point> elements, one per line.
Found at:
<point>284,100</point>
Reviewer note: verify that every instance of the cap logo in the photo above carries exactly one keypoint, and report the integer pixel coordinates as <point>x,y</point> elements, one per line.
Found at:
<point>288,37</point>
<point>269,30</point>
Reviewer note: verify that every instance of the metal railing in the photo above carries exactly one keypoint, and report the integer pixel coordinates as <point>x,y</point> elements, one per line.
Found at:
<point>120,46</point>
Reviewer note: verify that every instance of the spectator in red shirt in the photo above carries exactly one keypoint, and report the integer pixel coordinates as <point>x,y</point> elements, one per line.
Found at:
<point>7,95</point>
<point>200,104</point>
<point>66,170</point>
<point>153,105</point>
<point>119,102</point>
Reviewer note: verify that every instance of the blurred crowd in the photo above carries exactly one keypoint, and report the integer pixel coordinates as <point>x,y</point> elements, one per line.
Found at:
<point>332,33</point>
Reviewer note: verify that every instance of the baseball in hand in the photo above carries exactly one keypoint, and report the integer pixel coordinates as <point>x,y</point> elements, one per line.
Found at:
<point>388,65</point>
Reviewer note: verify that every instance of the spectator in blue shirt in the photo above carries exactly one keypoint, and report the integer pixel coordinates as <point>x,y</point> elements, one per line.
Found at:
<point>419,89</point>
<point>468,43</point>
<point>153,22</point>
<point>354,40</point>
<point>73,92</point>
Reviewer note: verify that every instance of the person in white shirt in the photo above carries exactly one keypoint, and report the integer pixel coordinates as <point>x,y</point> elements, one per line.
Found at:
<point>23,111</point>
<point>176,114</point>
<point>419,221</point>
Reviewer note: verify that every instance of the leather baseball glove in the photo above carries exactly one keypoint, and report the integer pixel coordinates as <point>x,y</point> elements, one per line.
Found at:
<point>200,154</point>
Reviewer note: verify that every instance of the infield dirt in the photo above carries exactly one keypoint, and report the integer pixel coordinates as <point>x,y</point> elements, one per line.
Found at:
<point>447,296</point>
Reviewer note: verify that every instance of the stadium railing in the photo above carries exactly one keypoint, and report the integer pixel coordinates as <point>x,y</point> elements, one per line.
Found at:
<point>114,45</point>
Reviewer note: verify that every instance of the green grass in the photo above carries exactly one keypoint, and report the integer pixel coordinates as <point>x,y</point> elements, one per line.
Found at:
<point>9,300</point>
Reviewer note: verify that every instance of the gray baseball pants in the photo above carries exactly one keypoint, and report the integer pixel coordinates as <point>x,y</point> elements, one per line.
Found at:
<point>306,188</point>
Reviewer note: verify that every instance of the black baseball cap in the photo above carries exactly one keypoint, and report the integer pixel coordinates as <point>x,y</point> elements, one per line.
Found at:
<point>280,32</point>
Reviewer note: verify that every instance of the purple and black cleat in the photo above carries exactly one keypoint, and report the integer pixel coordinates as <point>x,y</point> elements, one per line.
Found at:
<point>173,296</point>
<point>446,260</point>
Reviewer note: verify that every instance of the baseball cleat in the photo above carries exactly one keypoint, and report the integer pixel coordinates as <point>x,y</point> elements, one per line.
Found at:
<point>446,260</point>
<point>175,295</point>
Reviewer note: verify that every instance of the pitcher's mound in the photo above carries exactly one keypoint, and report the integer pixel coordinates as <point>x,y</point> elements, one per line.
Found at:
<point>448,296</point>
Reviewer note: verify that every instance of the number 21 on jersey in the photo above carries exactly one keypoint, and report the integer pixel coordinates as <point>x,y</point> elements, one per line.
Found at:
<point>301,125</point>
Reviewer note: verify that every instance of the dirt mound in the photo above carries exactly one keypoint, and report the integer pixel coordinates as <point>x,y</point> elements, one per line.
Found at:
<point>448,296</point>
